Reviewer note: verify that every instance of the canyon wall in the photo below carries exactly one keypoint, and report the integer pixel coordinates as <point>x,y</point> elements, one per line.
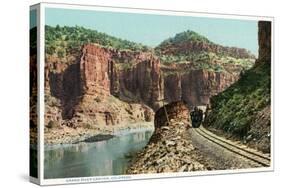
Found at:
<point>129,76</point>
<point>95,90</point>
<point>197,86</point>
<point>94,71</point>
<point>136,76</point>
<point>105,86</point>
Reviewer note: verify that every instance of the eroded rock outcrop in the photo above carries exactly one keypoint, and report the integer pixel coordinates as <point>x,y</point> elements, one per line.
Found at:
<point>197,86</point>
<point>80,90</point>
<point>90,91</point>
<point>136,76</point>
<point>94,71</point>
<point>170,148</point>
<point>130,76</point>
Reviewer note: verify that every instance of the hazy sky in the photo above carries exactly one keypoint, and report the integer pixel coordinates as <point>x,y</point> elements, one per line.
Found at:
<point>153,29</point>
<point>32,19</point>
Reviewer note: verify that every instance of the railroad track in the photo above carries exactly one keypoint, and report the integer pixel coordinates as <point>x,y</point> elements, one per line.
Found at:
<point>250,154</point>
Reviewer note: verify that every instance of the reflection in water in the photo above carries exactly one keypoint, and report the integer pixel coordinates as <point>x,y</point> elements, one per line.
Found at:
<point>108,157</point>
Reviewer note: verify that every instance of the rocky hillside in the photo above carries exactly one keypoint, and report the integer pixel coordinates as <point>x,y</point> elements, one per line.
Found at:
<point>243,110</point>
<point>64,40</point>
<point>190,43</point>
<point>195,68</point>
<point>170,148</point>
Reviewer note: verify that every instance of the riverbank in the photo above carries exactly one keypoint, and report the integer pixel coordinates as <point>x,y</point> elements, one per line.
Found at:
<point>86,159</point>
<point>171,152</point>
<point>67,135</point>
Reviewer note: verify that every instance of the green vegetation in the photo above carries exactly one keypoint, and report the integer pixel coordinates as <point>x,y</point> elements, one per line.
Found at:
<point>235,109</point>
<point>63,40</point>
<point>184,37</point>
<point>208,61</point>
<point>126,66</point>
<point>203,54</point>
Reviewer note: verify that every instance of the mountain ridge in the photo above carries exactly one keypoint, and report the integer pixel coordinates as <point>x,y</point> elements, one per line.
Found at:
<point>188,42</point>
<point>72,37</point>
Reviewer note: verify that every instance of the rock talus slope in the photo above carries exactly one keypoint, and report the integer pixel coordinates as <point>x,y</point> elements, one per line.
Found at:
<point>170,148</point>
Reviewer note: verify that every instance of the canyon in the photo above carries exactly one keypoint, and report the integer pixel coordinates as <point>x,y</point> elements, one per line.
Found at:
<point>98,87</point>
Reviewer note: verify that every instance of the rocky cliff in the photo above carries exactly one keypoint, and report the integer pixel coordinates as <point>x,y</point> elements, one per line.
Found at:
<point>94,65</point>
<point>127,75</point>
<point>97,89</point>
<point>86,82</point>
<point>197,86</point>
<point>136,76</point>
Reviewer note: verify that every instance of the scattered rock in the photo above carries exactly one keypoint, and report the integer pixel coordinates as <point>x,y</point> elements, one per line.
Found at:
<point>170,148</point>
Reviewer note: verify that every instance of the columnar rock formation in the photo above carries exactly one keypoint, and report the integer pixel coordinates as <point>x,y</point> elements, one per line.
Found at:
<point>94,71</point>
<point>130,76</point>
<point>138,78</point>
<point>264,41</point>
<point>88,90</point>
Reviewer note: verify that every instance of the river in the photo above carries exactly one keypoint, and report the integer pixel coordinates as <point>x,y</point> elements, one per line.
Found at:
<point>108,157</point>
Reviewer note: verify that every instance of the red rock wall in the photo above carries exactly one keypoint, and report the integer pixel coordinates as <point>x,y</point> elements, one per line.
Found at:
<point>197,86</point>
<point>103,73</point>
<point>132,77</point>
<point>94,70</point>
<point>173,87</point>
<point>143,81</point>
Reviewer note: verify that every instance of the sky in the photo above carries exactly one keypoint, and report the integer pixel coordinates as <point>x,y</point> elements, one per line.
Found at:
<point>151,29</point>
<point>32,18</point>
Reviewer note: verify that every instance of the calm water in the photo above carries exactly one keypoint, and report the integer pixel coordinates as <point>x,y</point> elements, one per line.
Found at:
<point>110,157</point>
